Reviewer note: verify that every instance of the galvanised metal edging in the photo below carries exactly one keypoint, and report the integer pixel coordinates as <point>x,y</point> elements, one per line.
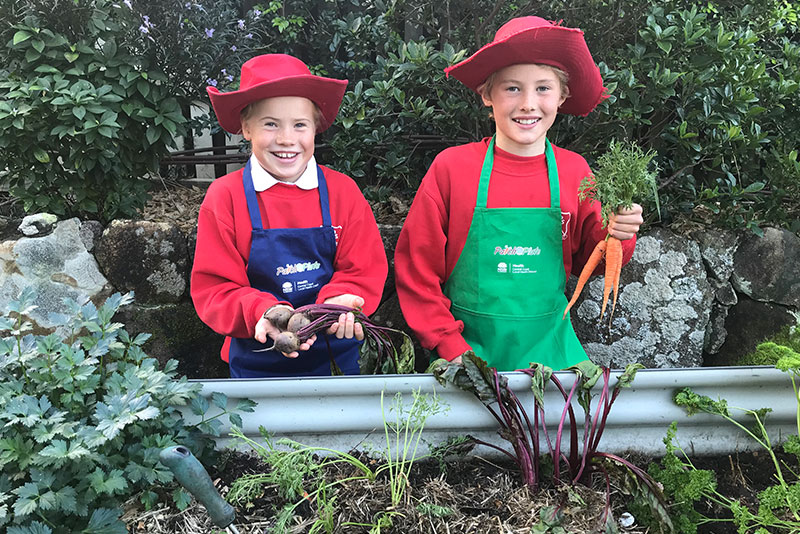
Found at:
<point>344,413</point>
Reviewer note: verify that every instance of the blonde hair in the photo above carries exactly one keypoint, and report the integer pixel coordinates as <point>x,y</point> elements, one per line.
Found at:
<point>485,89</point>
<point>247,113</point>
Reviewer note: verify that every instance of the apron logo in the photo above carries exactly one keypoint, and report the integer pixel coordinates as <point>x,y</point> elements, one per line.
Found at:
<point>565,218</point>
<point>502,267</point>
<point>287,287</point>
<point>293,268</point>
<point>517,251</point>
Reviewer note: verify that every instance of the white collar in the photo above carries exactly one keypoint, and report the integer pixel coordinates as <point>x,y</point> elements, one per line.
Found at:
<point>262,180</point>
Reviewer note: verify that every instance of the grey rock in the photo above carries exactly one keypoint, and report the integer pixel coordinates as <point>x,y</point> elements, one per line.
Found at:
<point>91,231</point>
<point>57,266</point>
<point>662,310</point>
<point>718,249</point>
<point>38,224</point>
<point>724,293</point>
<point>767,268</point>
<point>148,258</point>
<point>716,334</point>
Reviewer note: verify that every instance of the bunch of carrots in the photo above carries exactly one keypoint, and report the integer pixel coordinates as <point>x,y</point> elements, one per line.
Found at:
<point>622,174</point>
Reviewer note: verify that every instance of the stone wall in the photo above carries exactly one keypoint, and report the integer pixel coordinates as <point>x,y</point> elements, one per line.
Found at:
<point>685,301</point>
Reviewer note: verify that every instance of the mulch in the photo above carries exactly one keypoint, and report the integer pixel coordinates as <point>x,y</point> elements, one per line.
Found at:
<point>474,495</point>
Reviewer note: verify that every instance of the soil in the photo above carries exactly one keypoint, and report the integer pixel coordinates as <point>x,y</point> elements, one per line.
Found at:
<point>472,495</point>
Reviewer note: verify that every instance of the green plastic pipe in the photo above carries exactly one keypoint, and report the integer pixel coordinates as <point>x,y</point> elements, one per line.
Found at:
<point>191,474</point>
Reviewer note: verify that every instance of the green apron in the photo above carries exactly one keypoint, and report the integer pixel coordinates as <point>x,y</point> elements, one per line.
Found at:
<point>508,284</point>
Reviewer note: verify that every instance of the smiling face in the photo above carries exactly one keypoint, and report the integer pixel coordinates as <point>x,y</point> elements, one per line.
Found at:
<point>281,134</point>
<point>524,101</point>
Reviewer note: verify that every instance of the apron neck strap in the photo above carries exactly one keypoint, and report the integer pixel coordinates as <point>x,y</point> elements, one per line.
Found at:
<point>252,198</point>
<point>552,175</point>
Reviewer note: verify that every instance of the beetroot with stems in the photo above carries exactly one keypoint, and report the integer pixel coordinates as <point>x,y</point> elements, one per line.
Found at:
<point>379,354</point>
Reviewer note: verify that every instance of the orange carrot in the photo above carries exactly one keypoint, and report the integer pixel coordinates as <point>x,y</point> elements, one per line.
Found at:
<point>588,269</point>
<point>613,269</point>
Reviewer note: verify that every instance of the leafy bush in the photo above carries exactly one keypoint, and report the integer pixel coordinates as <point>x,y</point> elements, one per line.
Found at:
<point>84,414</point>
<point>82,118</point>
<point>713,89</point>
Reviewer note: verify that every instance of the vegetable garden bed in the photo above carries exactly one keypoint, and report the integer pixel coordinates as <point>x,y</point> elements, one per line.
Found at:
<point>288,488</point>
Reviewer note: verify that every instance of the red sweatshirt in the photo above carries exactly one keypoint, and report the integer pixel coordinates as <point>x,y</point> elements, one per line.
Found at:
<point>436,228</point>
<point>220,289</point>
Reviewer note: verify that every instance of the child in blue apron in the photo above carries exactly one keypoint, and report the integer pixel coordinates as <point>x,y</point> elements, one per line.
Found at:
<point>284,230</point>
<point>497,226</point>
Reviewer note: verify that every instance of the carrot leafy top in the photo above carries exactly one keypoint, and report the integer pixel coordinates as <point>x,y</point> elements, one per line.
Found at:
<point>622,175</point>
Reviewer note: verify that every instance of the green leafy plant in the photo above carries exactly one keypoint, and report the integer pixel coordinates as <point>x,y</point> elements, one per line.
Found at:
<point>84,414</point>
<point>83,120</point>
<point>298,471</point>
<point>403,435</point>
<point>623,175</point>
<point>779,505</point>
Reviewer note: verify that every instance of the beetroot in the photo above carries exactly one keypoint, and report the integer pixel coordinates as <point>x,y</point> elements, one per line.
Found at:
<point>279,316</point>
<point>287,342</point>
<point>297,321</point>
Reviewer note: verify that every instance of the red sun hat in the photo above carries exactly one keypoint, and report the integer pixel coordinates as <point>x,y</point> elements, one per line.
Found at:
<point>271,75</point>
<point>536,40</point>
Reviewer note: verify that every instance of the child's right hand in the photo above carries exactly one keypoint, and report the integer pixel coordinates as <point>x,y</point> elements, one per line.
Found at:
<point>266,330</point>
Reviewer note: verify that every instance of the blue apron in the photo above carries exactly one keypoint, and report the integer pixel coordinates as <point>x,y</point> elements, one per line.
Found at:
<point>293,264</point>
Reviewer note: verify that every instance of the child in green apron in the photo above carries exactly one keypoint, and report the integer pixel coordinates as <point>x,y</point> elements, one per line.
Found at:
<point>497,226</point>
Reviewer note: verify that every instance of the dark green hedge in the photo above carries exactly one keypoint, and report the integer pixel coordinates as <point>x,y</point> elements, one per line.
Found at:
<point>711,87</point>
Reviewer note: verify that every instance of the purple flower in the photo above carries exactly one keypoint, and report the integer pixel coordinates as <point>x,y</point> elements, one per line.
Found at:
<point>146,20</point>
<point>256,13</point>
<point>127,3</point>
<point>229,77</point>
<point>209,33</point>
<point>240,23</point>
<point>248,36</point>
<point>144,29</point>
<point>188,5</point>
<point>233,48</point>
<point>211,81</point>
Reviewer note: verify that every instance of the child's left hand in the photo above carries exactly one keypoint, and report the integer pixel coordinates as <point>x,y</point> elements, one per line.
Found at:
<point>625,223</point>
<point>346,326</point>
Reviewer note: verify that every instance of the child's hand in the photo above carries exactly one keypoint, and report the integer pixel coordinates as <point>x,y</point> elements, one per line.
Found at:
<point>346,326</point>
<point>266,330</point>
<point>625,223</point>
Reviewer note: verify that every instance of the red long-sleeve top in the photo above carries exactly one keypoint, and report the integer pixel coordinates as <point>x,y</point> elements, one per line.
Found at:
<point>436,228</point>
<point>220,289</point>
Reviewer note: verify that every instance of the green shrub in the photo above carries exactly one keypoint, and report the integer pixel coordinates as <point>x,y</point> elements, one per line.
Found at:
<point>84,414</point>
<point>83,119</point>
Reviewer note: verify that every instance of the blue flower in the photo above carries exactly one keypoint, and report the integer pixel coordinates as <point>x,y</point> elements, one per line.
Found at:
<point>248,36</point>
<point>144,29</point>
<point>146,20</point>
<point>229,78</point>
<point>211,81</point>
<point>233,48</point>
<point>127,3</point>
<point>256,13</point>
<point>209,33</point>
<point>240,23</point>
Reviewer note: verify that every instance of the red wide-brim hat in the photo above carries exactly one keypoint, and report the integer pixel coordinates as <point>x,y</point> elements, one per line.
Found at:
<point>272,75</point>
<point>536,40</point>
